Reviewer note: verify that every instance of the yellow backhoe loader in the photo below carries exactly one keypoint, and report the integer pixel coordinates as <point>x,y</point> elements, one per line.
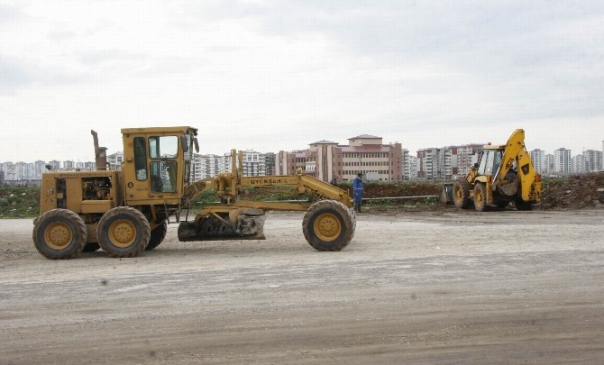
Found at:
<point>504,174</point>
<point>126,212</point>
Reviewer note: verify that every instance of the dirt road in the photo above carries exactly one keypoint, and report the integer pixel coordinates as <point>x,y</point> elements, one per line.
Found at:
<point>416,288</point>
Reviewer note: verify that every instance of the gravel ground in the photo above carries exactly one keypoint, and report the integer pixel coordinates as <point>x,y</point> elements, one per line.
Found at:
<point>448,287</point>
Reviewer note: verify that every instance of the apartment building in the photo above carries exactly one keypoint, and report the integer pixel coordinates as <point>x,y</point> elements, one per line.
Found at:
<point>538,158</point>
<point>430,164</point>
<point>205,166</point>
<point>447,163</point>
<point>326,160</point>
<point>593,160</point>
<point>69,165</point>
<point>253,163</point>
<point>578,164</point>
<point>463,159</point>
<point>549,164</point>
<point>409,166</point>
<point>562,161</point>
<point>115,160</point>
<point>322,159</point>
<point>369,155</point>
<point>270,163</point>
<point>287,163</point>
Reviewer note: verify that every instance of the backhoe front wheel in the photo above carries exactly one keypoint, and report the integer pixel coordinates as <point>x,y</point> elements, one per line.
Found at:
<point>123,232</point>
<point>461,194</point>
<point>328,225</point>
<point>59,234</point>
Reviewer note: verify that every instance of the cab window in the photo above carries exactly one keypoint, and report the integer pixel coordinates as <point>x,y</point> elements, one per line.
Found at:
<point>163,147</point>
<point>163,150</point>
<point>140,158</point>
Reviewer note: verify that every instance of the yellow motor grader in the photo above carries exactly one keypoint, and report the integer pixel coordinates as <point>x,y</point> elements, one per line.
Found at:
<point>126,212</point>
<point>504,174</point>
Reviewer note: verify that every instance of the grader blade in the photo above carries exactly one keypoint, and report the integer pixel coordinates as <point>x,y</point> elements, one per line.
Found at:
<point>239,224</point>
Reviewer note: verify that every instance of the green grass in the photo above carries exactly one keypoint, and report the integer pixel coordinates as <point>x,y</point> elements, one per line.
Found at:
<point>19,201</point>
<point>553,181</point>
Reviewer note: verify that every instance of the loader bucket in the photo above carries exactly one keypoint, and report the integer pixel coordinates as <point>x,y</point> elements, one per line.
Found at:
<point>446,195</point>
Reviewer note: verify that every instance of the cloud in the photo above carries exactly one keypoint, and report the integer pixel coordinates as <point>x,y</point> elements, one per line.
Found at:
<point>12,76</point>
<point>9,13</point>
<point>276,75</point>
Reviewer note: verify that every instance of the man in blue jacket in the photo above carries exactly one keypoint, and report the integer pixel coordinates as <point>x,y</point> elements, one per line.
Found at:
<point>358,189</point>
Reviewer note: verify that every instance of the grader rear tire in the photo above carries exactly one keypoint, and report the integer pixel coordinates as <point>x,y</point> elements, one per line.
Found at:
<point>157,236</point>
<point>461,194</point>
<point>123,232</point>
<point>59,234</point>
<point>328,225</point>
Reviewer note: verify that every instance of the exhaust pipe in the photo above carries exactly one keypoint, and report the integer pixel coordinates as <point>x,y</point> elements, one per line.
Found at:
<point>100,153</point>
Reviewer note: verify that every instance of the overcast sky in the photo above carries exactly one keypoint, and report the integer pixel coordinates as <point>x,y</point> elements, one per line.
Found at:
<point>278,75</point>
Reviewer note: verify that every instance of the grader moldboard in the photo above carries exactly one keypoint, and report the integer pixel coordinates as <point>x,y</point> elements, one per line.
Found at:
<point>126,212</point>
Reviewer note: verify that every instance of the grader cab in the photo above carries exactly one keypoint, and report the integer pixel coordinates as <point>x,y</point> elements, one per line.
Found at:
<point>126,212</point>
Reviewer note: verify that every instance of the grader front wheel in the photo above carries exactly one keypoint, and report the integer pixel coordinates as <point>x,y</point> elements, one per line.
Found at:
<point>123,232</point>
<point>59,234</point>
<point>328,225</point>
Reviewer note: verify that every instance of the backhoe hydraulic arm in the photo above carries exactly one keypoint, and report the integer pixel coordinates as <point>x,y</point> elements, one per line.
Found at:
<point>515,151</point>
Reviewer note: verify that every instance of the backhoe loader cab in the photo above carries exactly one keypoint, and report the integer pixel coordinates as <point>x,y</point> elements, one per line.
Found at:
<point>127,211</point>
<point>505,173</point>
<point>490,160</point>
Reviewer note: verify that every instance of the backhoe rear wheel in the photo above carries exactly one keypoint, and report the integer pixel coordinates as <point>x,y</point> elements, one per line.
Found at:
<point>59,234</point>
<point>123,232</point>
<point>461,194</point>
<point>157,236</point>
<point>502,203</point>
<point>480,196</point>
<point>328,225</point>
<point>522,205</point>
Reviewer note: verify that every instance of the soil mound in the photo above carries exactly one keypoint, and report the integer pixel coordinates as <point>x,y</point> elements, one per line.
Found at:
<point>573,192</point>
<point>568,192</point>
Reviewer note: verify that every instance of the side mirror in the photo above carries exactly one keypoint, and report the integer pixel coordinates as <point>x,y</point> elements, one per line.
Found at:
<point>183,142</point>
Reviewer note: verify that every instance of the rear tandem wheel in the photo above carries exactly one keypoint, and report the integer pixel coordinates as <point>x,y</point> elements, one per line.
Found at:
<point>59,234</point>
<point>123,232</point>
